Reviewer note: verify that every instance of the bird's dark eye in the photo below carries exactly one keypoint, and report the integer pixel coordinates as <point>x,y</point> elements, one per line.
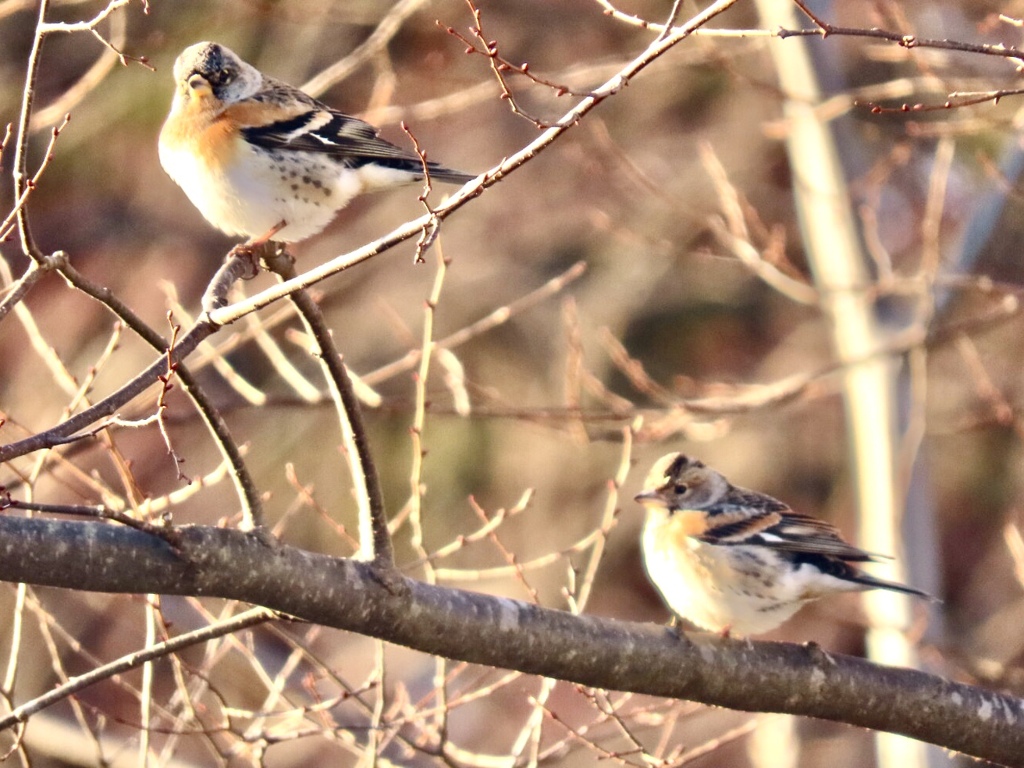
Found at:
<point>226,76</point>
<point>681,488</point>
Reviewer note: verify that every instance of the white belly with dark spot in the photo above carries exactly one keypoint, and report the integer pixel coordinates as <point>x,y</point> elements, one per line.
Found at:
<point>262,188</point>
<point>748,590</point>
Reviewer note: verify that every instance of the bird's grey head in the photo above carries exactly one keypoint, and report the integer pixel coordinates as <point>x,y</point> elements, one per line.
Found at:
<point>211,68</point>
<point>680,482</point>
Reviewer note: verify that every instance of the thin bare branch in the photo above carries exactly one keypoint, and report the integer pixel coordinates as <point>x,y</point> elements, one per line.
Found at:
<point>375,539</point>
<point>242,621</point>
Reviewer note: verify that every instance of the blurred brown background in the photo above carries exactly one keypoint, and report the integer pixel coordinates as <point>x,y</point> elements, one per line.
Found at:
<point>626,193</point>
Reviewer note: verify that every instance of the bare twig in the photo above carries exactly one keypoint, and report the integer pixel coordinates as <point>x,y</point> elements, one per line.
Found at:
<point>611,508</point>
<point>487,323</point>
<point>17,290</point>
<point>82,510</point>
<point>419,421</point>
<point>471,190</point>
<point>242,621</point>
<point>824,29</point>
<point>161,402</point>
<point>249,494</point>
<point>6,224</point>
<point>375,540</point>
<point>484,46</point>
<point>21,186</point>
<point>508,555</point>
<point>69,428</point>
<point>382,34</point>
<point>736,237</point>
<point>74,94</point>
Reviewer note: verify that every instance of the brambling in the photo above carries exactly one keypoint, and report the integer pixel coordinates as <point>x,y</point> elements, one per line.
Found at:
<point>736,561</point>
<point>260,158</point>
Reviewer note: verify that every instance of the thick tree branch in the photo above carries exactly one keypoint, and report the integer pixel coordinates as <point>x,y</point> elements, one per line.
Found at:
<point>767,677</point>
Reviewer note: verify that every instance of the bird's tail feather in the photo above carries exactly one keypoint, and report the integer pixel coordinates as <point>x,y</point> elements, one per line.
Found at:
<point>873,581</point>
